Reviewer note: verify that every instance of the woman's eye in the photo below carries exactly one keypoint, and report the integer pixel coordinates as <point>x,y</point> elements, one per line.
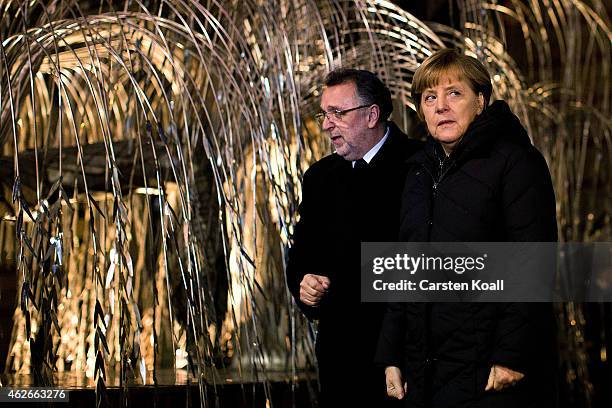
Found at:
<point>429,98</point>
<point>455,93</point>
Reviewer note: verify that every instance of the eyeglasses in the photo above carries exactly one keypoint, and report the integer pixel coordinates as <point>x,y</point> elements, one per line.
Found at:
<point>336,114</point>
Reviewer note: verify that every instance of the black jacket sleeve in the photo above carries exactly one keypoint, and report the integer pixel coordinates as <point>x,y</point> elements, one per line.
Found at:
<point>302,250</point>
<point>389,351</point>
<point>528,199</point>
<point>529,215</point>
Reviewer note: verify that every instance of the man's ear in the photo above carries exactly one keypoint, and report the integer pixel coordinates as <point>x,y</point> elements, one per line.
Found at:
<point>373,116</point>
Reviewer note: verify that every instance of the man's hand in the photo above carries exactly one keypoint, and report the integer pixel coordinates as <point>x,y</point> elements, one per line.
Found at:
<point>393,378</point>
<point>501,377</point>
<point>312,289</point>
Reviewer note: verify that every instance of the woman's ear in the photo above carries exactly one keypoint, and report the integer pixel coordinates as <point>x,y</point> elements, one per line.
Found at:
<point>480,102</point>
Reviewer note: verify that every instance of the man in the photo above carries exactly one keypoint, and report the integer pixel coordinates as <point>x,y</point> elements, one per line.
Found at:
<point>350,196</point>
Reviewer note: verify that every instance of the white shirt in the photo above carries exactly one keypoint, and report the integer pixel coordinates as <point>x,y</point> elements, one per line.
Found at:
<point>372,152</point>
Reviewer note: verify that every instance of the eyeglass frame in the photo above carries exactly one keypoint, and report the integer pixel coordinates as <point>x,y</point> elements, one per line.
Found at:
<point>338,114</point>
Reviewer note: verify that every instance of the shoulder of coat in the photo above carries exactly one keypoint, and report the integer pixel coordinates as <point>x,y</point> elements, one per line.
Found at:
<point>325,165</point>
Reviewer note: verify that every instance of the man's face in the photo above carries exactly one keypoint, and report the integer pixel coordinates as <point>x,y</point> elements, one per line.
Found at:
<point>449,108</point>
<point>351,135</point>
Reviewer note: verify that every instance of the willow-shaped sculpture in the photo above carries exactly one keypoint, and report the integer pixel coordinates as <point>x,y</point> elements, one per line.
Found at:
<point>152,153</point>
<point>128,241</point>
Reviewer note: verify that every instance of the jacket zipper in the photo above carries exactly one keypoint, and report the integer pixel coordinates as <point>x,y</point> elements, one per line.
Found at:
<point>436,181</point>
<point>441,173</point>
<point>429,360</point>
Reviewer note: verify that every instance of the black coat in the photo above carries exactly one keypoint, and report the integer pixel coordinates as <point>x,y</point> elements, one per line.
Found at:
<point>495,186</point>
<point>341,207</point>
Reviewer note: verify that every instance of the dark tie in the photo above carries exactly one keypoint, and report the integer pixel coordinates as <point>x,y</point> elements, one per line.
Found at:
<point>361,164</point>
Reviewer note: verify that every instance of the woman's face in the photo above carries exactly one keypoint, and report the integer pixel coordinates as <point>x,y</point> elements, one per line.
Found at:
<point>449,108</point>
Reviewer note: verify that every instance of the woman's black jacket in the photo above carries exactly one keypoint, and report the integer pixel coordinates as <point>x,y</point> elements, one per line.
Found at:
<point>495,186</point>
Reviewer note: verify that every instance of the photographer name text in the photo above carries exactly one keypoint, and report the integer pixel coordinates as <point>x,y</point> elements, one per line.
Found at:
<point>448,286</point>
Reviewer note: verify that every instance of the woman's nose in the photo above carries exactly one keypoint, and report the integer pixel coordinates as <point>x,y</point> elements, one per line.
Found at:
<point>441,104</point>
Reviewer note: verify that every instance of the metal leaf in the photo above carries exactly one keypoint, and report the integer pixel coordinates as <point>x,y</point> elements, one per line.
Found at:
<point>26,240</point>
<point>55,322</point>
<point>54,188</point>
<point>28,324</point>
<point>143,371</point>
<point>25,288</point>
<point>110,274</point>
<point>16,189</point>
<point>26,207</point>
<point>95,204</point>
<point>99,369</point>
<point>19,225</point>
<point>98,314</point>
<point>65,198</point>
<point>101,338</point>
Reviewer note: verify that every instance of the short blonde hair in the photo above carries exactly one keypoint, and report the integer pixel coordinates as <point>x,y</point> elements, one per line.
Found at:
<point>448,61</point>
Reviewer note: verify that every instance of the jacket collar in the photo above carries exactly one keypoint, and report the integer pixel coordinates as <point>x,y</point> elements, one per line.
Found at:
<point>392,146</point>
<point>495,123</point>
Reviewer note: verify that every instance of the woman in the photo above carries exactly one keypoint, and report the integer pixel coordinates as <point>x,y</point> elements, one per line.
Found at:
<point>478,179</point>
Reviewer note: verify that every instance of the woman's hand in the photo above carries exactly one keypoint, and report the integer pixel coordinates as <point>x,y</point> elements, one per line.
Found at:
<point>393,378</point>
<point>501,377</point>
